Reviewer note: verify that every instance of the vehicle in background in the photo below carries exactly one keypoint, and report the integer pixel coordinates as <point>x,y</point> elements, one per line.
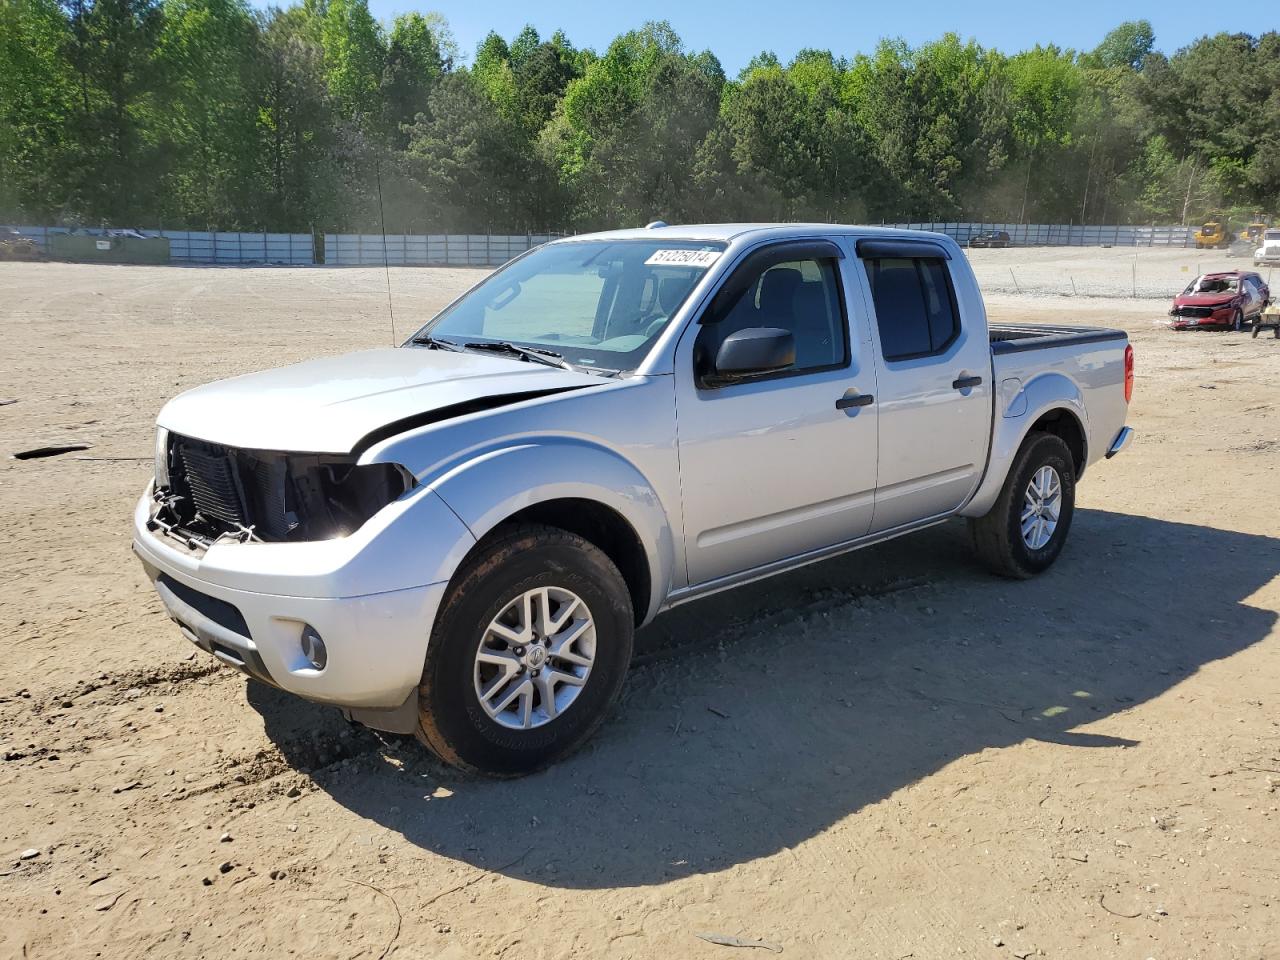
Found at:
<point>994,238</point>
<point>1224,300</point>
<point>1269,253</point>
<point>1213,234</point>
<point>1254,231</point>
<point>1270,317</point>
<point>15,245</point>
<point>457,538</point>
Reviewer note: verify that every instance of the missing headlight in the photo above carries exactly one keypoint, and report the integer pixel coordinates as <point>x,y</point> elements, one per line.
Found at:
<point>217,492</point>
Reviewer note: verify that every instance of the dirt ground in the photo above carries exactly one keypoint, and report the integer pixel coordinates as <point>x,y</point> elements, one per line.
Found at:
<point>890,755</point>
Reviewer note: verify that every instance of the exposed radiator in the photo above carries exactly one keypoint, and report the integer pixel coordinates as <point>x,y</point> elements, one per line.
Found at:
<point>211,478</point>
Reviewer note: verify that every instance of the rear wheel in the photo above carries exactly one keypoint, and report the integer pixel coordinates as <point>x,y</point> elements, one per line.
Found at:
<point>1027,526</point>
<point>528,652</point>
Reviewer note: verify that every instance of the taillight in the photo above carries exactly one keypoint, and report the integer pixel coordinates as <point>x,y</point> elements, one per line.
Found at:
<point>1128,373</point>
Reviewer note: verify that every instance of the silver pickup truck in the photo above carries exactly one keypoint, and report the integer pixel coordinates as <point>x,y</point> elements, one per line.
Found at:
<point>458,537</point>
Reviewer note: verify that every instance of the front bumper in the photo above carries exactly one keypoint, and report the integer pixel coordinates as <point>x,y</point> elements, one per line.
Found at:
<point>247,604</point>
<point>1222,319</point>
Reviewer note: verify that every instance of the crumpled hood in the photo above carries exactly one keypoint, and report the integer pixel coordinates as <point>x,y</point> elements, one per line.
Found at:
<point>1203,299</point>
<point>329,405</point>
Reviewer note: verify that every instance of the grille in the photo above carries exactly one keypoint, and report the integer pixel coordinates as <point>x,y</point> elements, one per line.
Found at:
<point>211,478</point>
<point>1195,311</point>
<point>263,495</point>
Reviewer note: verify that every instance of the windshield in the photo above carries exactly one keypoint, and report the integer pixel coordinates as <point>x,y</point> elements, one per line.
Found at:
<point>597,303</point>
<point>1212,285</point>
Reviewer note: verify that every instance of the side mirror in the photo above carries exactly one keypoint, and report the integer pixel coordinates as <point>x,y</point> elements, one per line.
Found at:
<point>754,351</point>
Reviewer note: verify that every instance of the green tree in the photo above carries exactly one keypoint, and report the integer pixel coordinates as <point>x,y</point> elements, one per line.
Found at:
<point>1125,46</point>
<point>472,162</point>
<point>297,175</point>
<point>112,160</point>
<point>207,56</point>
<point>37,100</point>
<point>630,127</point>
<point>417,57</point>
<point>354,54</point>
<point>1214,102</point>
<point>1044,87</point>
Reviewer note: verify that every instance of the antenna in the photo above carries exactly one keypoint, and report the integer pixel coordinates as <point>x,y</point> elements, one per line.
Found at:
<point>386,266</point>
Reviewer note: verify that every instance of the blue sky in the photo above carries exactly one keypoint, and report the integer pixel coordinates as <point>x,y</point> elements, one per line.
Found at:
<point>736,31</point>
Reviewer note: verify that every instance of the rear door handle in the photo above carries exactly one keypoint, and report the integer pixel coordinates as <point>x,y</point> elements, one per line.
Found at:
<point>964,383</point>
<point>857,400</point>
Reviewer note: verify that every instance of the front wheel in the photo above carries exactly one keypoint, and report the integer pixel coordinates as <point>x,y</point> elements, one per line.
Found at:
<point>1025,530</point>
<point>528,652</point>
<point>1237,320</point>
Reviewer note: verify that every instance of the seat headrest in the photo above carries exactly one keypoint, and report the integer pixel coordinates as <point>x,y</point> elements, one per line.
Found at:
<point>778,290</point>
<point>671,293</point>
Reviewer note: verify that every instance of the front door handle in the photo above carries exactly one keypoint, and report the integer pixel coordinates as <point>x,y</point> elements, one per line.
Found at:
<point>857,400</point>
<point>964,383</point>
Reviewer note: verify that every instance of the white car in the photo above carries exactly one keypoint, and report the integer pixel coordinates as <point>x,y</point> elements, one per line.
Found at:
<point>457,538</point>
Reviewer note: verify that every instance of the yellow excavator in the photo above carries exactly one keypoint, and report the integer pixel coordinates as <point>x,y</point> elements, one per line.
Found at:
<point>1254,231</point>
<point>1214,233</point>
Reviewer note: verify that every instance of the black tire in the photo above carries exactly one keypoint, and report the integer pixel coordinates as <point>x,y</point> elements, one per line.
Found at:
<point>516,558</point>
<point>997,537</point>
<point>1237,320</point>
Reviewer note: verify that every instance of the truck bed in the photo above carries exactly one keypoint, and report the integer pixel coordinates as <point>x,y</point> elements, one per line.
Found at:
<point>1020,337</point>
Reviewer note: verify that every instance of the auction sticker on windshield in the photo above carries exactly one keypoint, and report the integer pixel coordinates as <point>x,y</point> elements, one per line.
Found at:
<point>683,258</point>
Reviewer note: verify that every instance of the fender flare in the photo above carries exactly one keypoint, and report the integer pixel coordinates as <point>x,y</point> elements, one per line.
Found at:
<point>488,489</point>
<point>1017,411</point>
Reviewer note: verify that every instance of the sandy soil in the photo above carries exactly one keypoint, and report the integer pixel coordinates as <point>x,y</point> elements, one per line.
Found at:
<point>889,755</point>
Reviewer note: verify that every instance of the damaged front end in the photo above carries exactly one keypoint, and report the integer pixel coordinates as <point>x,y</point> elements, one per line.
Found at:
<point>207,493</point>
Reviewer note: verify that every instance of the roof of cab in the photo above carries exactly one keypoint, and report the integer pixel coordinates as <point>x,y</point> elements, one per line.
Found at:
<point>728,232</point>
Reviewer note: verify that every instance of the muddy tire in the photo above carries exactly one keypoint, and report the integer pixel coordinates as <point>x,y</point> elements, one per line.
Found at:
<point>528,652</point>
<point>1027,526</point>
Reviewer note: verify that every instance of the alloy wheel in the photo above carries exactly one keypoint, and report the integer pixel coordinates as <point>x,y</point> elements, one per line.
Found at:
<point>1041,505</point>
<point>534,658</point>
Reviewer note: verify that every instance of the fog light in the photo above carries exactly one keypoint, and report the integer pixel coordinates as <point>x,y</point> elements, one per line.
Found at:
<point>313,647</point>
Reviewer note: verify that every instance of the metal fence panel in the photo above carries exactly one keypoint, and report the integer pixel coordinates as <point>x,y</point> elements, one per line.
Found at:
<point>1065,234</point>
<point>193,246</point>
<point>478,249</point>
<point>436,249</point>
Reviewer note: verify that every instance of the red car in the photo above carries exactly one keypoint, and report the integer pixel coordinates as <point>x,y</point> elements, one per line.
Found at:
<point>1231,299</point>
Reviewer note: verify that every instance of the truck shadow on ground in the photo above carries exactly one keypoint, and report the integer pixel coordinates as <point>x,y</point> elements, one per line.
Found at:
<point>754,720</point>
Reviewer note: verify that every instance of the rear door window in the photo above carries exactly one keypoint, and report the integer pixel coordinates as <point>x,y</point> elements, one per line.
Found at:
<point>915,306</point>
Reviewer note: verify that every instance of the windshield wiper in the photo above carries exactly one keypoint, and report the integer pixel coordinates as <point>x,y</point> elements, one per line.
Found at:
<point>435,343</point>
<point>537,355</point>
